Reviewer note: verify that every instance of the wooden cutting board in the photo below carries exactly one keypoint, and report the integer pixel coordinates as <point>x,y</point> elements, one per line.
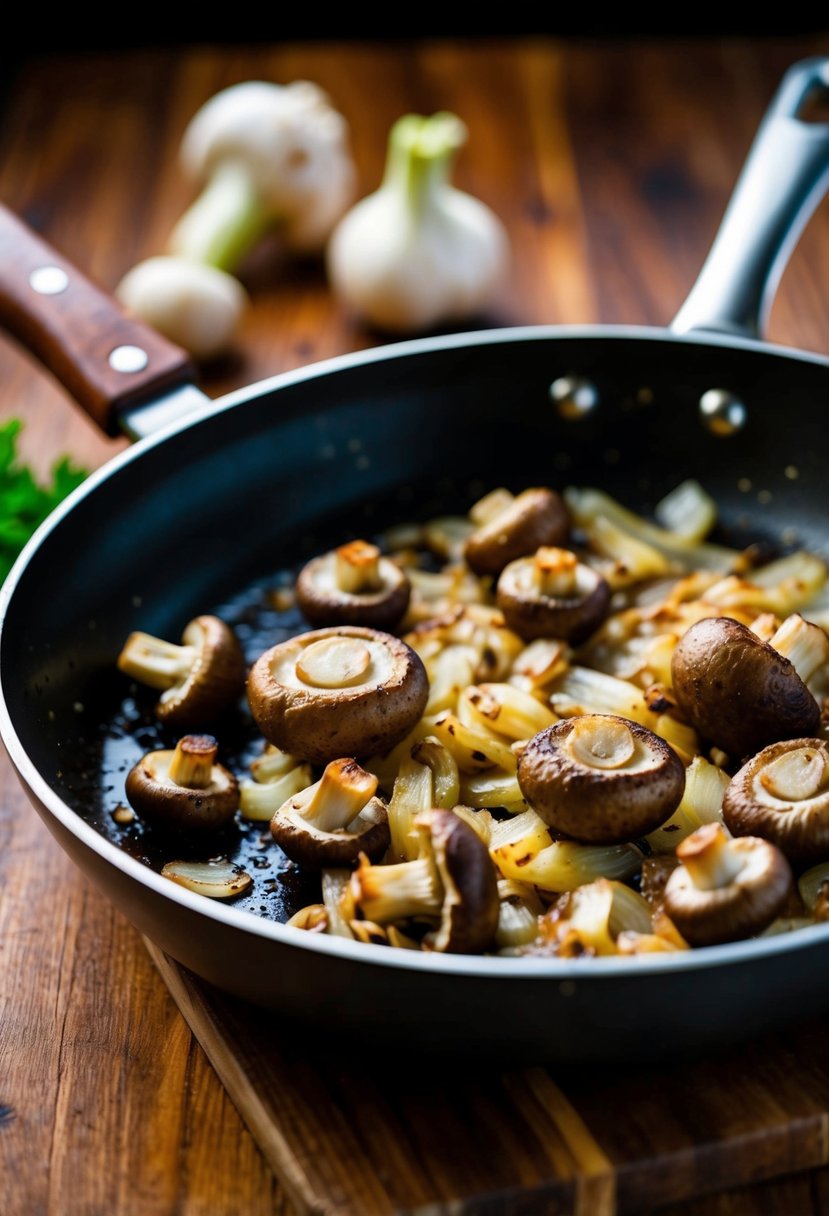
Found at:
<point>348,1139</point>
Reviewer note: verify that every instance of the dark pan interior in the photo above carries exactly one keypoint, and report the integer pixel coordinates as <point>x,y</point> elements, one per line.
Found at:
<point>192,520</point>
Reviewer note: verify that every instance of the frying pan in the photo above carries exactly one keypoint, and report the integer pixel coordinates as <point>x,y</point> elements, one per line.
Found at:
<point>217,495</point>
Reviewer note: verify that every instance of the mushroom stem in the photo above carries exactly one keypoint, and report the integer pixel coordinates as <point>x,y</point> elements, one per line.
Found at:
<point>389,893</point>
<point>154,662</point>
<point>338,797</point>
<point>554,571</point>
<point>795,775</point>
<point>805,645</point>
<point>334,662</point>
<point>601,742</point>
<point>193,760</point>
<point>357,567</point>
<point>709,859</point>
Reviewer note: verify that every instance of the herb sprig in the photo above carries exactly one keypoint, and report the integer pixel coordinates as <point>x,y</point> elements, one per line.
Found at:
<point>24,502</point>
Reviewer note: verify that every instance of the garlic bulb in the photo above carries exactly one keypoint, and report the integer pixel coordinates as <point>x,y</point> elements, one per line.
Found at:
<point>418,252</point>
<point>269,158</point>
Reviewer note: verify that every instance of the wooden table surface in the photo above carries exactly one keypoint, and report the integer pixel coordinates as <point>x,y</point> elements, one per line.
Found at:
<point>610,164</point>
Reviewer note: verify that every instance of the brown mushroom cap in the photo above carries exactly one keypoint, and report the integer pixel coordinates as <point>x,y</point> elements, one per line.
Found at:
<point>724,890</point>
<point>165,801</point>
<point>373,591</point>
<point>342,691</point>
<point>535,517</point>
<point>533,613</point>
<point>201,679</point>
<point>782,794</point>
<point>469,915</point>
<point>332,822</point>
<point>601,779</point>
<point>738,691</point>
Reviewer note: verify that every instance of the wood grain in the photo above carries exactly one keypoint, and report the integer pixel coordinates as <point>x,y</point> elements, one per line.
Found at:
<point>610,163</point>
<point>358,1138</point>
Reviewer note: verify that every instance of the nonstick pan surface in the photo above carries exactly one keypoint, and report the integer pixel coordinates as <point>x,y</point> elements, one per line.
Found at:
<point>190,517</point>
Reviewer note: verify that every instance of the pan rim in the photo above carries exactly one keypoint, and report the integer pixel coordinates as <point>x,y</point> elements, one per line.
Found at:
<point>486,337</point>
<point>470,966</point>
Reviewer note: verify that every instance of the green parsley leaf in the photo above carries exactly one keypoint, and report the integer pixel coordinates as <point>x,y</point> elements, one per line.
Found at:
<point>24,503</point>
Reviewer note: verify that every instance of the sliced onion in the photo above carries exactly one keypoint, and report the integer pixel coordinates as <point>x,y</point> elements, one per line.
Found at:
<point>215,879</point>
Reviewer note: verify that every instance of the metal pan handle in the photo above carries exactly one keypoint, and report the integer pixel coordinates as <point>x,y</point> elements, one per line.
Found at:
<point>783,180</point>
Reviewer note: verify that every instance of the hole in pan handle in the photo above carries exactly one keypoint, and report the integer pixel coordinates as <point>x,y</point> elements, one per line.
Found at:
<point>784,178</point>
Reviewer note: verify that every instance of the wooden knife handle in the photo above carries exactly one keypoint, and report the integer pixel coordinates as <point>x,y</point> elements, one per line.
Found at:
<point>102,356</point>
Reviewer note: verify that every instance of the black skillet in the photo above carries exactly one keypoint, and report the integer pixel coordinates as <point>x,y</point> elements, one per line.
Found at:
<point>219,496</point>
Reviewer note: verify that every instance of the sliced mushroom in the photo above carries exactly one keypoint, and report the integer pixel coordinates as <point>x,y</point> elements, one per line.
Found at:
<point>600,779</point>
<point>511,527</point>
<point>199,679</point>
<point>553,595</point>
<point>452,884</point>
<point>782,794</point>
<point>343,691</point>
<point>738,691</point>
<point>353,585</point>
<point>334,820</point>
<point>725,889</point>
<point>183,790</point>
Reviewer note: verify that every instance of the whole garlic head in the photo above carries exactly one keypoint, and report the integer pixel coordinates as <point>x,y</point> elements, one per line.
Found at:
<point>418,252</point>
<point>269,156</point>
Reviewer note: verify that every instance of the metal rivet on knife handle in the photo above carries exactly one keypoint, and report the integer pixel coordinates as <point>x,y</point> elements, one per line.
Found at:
<point>128,359</point>
<point>49,280</point>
